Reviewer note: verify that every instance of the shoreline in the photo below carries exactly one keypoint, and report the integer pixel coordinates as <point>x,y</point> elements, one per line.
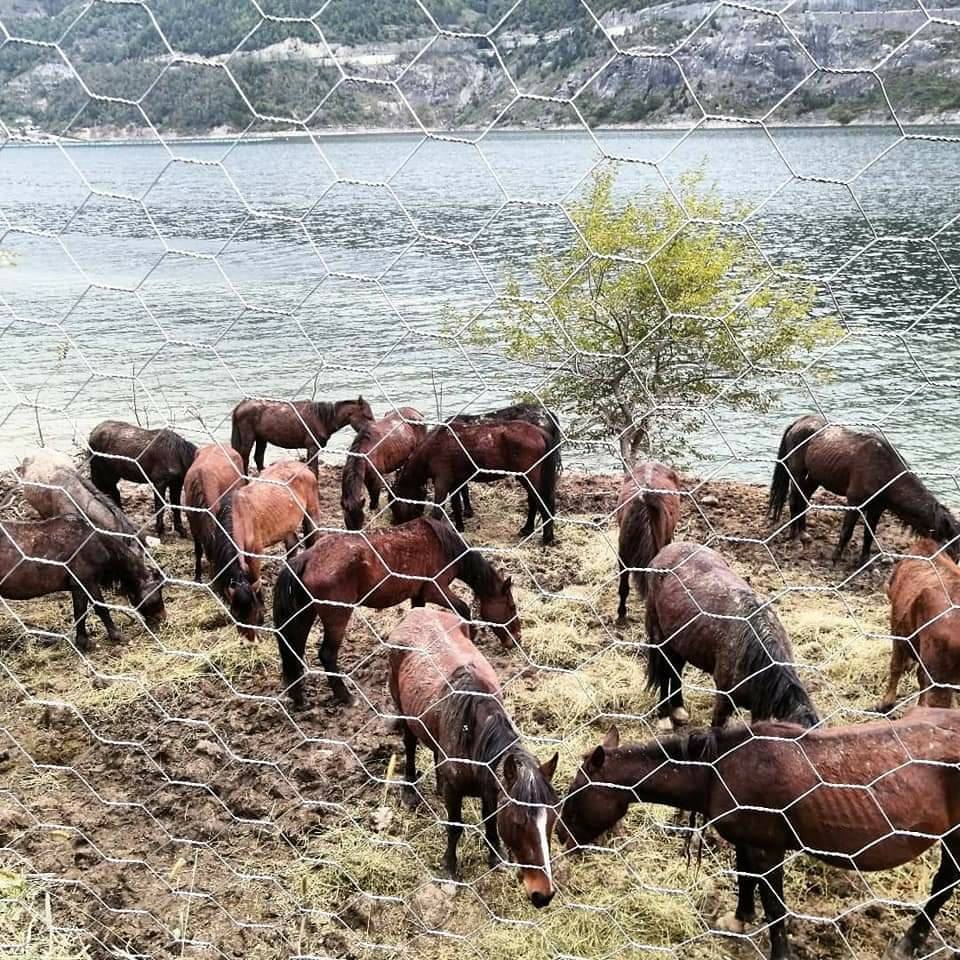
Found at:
<point>147,136</point>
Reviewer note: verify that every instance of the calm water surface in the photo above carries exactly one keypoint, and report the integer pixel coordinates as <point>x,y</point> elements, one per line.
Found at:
<point>116,307</point>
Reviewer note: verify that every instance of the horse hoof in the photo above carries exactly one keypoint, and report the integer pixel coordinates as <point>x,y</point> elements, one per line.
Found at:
<point>665,725</point>
<point>731,923</point>
<point>622,620</point>
<point>680,717</point>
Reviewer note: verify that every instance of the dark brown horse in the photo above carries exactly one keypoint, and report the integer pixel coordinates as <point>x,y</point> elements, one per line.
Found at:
<point>868,796</point>
<point>700,612</point>
<point>535,413</point>
<point>123,451</point>
<point>66,554</point>
<point>293,425</point>
<point>416,561</point>
<point>448,697</point>
<point>455,454</point>
<point>381,448</point>
<point>647,515</point>
<point>924,592</point>
<point>866,469</point>
<point>273,508</point>
<point>216,471</point>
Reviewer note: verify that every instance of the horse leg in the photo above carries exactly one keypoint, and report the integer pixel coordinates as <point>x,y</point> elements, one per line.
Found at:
<point>488,811</point>
<point>432,592</point>
<point>722,708</point>
<point>176,510</point>
<point>799,505</point>
<point>198,559</point>
<point>624,593</point>
<point>374,487</point>
<point>334,627</point>
<point>746,912</point>
<point>113,634</point>
<point>259,450</point>
<point>532,507</point>
<point>766,867</point>
<point>81,604</point>
<point>454,803</point>
<point>158,505</point>
<point>846,531</point>
<point>410,775</point>
<point>899,661</point>
<point>467,505</point>
<point>871,521</point>
<point>313,458</point>
<point>911,943</point>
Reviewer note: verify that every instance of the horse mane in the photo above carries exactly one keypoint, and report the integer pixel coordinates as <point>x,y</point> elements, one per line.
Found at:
<point>481,731</point>
<point>352,475</point>
<point>326,412</point>
<point>472,567</point>
<point>223,553</point>
<point>764,662</point>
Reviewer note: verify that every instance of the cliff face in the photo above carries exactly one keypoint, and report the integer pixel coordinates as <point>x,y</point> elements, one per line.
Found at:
<point>663,63</point>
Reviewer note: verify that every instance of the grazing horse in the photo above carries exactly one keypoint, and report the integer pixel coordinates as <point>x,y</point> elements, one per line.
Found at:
<point>292,424</point>
<point>869,796</point>
<point>66,554</point>
<point>924,592</point>
<point>535,413</point>
<point>866,469</point>
<point>216,471</point>
<point>647,515</point>
<point>455,454</point>
<point>53,486</point>
<point>449,699</point>
<point>270,509</point>
<point>123,451</point>
<point>381,448</point>
<point>416,561</point>
<point>700,612</point>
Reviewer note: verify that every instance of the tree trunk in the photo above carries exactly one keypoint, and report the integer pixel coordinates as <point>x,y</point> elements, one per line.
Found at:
<point>632,441</point>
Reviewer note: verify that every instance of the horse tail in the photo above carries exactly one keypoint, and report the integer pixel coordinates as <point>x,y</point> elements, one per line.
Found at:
<point>555,436</point>
<point>659,669</point>
<point>549,470</point>
<point>236,434</point>
<point>293,616</point>
<point>780,484</point>
<point>638,539</point>
<point>765,668</point>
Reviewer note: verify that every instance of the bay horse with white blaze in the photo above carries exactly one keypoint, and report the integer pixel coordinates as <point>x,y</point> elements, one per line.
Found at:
<point>216,471</point>
<point>161,458</point>
<point>65,554</point>
<point>647,515</point>
<point>449,699</point>
<point>415,561</point>
<point>381,448</point>
<point>865,468</point>
<point>271,509</point>
<point>924,592</point>
<point>862,797</point>
<point>453,455</point>
<point>293,425</point>
<point>700,612</point>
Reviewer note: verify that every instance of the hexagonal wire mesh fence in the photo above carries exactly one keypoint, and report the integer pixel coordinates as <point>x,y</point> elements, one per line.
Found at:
<point>465,242</point>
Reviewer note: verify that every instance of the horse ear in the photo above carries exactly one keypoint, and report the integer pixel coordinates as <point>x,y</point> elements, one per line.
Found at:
<point>595,762</point>
<point>510,771</point>
<point>612,740</point>
<point>549,768</point>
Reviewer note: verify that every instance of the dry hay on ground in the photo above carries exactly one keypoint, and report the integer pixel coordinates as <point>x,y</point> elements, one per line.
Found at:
<point>167,766</point>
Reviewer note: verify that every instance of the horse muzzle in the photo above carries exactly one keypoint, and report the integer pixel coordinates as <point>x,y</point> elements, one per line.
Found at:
<point>537,886</point>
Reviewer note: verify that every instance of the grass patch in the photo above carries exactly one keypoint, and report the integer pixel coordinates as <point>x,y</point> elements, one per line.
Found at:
<point>28,922</point>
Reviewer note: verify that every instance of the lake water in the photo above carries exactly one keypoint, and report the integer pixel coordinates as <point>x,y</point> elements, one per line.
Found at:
<point>116,307</point>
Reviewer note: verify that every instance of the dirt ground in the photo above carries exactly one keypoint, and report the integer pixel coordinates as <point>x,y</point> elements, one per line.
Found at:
<point>157,798</point>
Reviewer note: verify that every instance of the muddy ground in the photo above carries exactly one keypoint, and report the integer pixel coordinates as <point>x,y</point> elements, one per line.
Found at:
<point>158,798</point>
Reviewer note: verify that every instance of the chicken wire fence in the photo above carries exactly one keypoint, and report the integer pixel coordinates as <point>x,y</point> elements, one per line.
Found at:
<point>161,795</point>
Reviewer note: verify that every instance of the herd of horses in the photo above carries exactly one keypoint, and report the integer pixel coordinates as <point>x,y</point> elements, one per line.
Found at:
<point>865,796</point>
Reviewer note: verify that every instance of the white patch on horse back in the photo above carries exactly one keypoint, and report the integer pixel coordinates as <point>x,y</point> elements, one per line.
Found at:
<point>544,844</point>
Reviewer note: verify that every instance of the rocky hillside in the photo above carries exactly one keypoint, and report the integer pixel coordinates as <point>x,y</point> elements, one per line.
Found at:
<point>191,68</point>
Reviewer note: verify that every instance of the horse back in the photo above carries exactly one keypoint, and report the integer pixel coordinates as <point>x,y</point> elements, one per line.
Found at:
<point>36,558</point>
<point>272,506</point>
<point>486,450</point>
<point>215,471</point>
<point>388,442</point>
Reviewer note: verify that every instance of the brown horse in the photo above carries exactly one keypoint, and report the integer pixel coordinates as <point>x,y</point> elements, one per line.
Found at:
<point>416,561</point>
<point>867,796</point>
<point>270,509</point>
<point>924,592</point>
<point>647,515</point>
<point>293,425</point>
<point>216,471</point>
<point>381,448</point>
<point>866,469</point>
<point>123,451</point>
<point>66,554</point>
<point>535,413</point>
<point>700,612</point>
<point>485,452</point>
<point>449,699</point>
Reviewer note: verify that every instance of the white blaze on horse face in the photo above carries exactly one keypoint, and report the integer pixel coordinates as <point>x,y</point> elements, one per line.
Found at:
<point>544,844</point>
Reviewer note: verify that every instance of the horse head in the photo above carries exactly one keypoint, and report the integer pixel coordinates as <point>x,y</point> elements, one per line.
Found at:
<point>246,603</point>
<point>947,531</point>
<point>526,820</point>
<point>590,809</point>
<point>499,610</point>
